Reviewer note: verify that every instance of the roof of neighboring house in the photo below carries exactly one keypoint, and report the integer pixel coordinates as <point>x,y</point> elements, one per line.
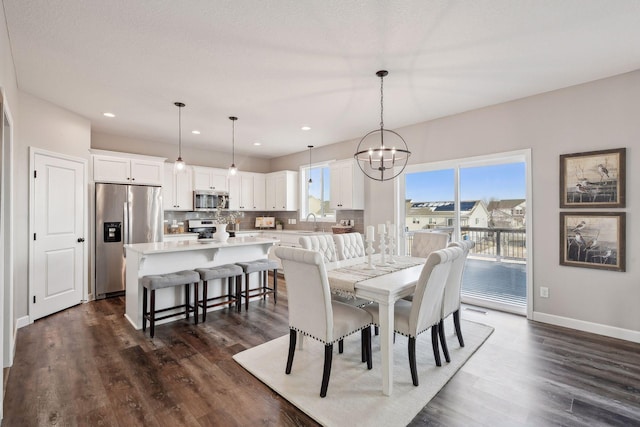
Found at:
<point>504,204</point>
<point>444,206</point>
<point>444,209</point>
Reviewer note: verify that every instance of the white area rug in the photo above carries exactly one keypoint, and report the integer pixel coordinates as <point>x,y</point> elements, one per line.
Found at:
<point>354,396</point>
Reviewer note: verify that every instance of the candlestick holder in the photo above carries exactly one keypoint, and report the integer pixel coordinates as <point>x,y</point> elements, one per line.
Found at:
<point>383,250</point>
<point>392,249</point>
<point>370,252</point>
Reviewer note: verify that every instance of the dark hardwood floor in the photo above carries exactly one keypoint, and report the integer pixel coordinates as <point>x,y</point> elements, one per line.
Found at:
<point>86,366</point>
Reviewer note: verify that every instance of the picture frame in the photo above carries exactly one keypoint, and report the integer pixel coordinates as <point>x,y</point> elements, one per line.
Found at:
<point>594,179</point>
<point>593,240</point>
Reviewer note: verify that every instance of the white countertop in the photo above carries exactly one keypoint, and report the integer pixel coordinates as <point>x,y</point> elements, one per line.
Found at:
<point>191,245</point>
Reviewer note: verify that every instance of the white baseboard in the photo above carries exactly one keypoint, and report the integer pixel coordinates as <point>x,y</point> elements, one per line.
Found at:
<point>21,322</point>
<point>594,328</point>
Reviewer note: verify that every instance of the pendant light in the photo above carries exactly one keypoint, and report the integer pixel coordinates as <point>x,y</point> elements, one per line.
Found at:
<point>233,169</point>
<point>179,166</point>
<point>310,147</point>
<point>379,159</point>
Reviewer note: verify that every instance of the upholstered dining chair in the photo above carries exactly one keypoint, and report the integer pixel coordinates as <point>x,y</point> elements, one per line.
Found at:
<point>451,299</point>
<point>313,313</point>
<point>425,242</point>
<point>349,245</point>
<point>322,243</point>
<point>411,318</point>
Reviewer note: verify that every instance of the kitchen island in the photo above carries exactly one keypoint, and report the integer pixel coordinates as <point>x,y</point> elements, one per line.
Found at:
<point>166,257</point>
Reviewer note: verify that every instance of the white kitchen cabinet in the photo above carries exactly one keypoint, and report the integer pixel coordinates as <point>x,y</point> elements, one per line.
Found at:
<point>281,191</point>
<point>246,192</point>
<point>177,189</point>
<point>128,170</point>
<point>210,179</point>
<point>347,185</point>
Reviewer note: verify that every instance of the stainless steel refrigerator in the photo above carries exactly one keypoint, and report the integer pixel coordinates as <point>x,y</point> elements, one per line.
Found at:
<point>124,214</point>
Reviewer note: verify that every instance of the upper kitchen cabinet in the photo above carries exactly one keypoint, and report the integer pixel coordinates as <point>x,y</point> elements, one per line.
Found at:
<point>347,185</point>
<point>282,191</point>
<point>247,192</point>
<point>210,179</point>
<point>127,168</point>
<point>177,189</point>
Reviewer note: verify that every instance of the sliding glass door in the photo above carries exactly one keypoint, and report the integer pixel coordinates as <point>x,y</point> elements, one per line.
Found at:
<point>483,200</point>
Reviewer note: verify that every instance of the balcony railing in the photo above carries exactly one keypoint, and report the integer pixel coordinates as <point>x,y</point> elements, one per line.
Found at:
<point>498,243</point>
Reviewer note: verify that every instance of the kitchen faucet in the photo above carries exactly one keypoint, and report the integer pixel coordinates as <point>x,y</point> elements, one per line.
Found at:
<point>315,222</point>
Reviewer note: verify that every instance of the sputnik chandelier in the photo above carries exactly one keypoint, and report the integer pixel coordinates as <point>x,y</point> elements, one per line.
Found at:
<point>382,154</point>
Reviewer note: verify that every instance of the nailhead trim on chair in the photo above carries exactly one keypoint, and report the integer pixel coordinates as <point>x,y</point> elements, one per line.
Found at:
<point>323,341</point>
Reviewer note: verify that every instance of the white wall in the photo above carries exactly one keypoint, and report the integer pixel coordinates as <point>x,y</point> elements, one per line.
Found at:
<point>192,156</point>
<point>592,116</point>
<point>9,89</point>
<point>49,127</point>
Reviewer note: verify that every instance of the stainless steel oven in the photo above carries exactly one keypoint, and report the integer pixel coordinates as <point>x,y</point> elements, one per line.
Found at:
<point>210,200</point>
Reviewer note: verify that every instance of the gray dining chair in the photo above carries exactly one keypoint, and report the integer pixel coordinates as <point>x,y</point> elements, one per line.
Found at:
<point>313,313</point>
<point>425,242</point>
<point>451,298</point>
<point>411,318</point>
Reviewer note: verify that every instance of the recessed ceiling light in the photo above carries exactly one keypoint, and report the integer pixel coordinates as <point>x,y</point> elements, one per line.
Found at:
<point>257,144</point>
<point>305,128</point>
<point>195,132</point>
<point>108,114</point>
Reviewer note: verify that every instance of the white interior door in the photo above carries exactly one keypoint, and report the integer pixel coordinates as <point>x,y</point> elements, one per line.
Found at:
<point>58,261</point>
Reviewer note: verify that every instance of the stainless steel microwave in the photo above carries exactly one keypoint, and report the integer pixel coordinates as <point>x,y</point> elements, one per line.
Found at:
<point>210,200</point>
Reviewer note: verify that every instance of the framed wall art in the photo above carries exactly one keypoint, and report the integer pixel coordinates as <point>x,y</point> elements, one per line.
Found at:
<point>593,240</point>
<point>594,179</point>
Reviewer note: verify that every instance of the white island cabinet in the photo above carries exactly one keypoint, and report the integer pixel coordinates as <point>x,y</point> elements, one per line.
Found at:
<point>167,257</point>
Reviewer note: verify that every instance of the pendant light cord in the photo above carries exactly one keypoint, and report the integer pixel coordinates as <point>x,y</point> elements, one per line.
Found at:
<point>179,132</point>
<point>233,141</point>
<point>381,102</point>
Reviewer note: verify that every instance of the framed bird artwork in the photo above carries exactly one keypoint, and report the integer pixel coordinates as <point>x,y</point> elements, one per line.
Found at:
<point>594,179</point>
<point>593,240</point>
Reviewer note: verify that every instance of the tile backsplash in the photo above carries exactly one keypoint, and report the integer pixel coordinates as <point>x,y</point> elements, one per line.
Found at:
<point>248,219</point>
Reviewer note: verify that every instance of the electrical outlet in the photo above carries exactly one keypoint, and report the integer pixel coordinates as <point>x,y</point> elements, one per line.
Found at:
<point>293,221</point>
<point>544,292</point>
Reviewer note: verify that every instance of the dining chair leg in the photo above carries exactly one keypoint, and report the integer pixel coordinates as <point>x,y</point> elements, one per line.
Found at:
<point>328,355</point>
<point>341,346</point>
<point>412,360</point>
<point>443,341</point>
<point>363,350</point>
<point>292,349</point>
<point>456,323</point>
<point>434,344</point>
<point>367,335</point>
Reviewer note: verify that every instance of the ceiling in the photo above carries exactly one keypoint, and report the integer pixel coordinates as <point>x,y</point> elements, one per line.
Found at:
<point>282,64</point>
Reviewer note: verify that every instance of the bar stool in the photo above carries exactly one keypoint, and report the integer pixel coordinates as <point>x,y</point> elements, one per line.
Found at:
<point>261,266</point>
<point>230,272</point>
<point>159,281</point>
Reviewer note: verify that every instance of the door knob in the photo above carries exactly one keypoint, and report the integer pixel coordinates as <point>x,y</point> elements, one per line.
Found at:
<point>80,239</point>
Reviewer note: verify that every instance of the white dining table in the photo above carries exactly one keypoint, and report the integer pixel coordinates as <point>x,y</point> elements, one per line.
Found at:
<point>384,289</point>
